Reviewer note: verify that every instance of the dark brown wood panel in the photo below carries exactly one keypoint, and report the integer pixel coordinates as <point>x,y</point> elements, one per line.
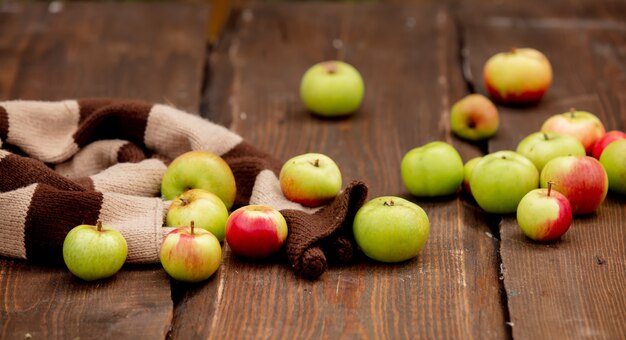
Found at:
<point>572,288</point>
<point>153,53</point>
<point>409,59</point>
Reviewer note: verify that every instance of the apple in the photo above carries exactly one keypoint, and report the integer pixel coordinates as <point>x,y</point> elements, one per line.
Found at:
<point>581,124</point>
<point>390,229</point>
<point>203,207</point>
<point>190,254</point>
<point>582,179</point>
<point>199,170</point>
<point>607,139</point>
<point>520,76</point>
<point>467,173</point>
<point>540,147</point>
<point>256,231</point>
<point>332,89</point>
<point>434,169</point>
<point>614,161</point>
<point>544,214</point>
<point>501,179</point>
<point>474,118</point>
<point>310,179</point>
<point>94,252</point>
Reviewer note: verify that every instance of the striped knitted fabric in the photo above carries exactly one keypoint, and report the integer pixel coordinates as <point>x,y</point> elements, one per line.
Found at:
<point>78,161</point>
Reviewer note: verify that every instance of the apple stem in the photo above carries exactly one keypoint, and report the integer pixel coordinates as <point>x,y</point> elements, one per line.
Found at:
<point>550,187</point>
<point>99,225</point>
<point>316,162</point>
<point>572,111</point>
<point>330,68</point>
<point>191,225</point>
<point>184,200</point>
<point>388,204</point>
<point>545,136</point>
<point>513,49</point>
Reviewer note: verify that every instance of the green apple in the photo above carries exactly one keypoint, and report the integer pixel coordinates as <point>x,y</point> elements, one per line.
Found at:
<point>199,170</point>
<point>544,214</point>
<point>332,89</point>
<point>581,124</point>
<point>582,179</point>
<point>474,118</point>
<point>201,206</point>
<point>390,229</point>
<point>467,173</point>
<point>540,147</point>
<point>434,169</point>
<point>520,76</point>
<point>613,158</point>
<point>500,180</point>
<point>190,254</point>
<point>94,252</point>
<point>310,179</point>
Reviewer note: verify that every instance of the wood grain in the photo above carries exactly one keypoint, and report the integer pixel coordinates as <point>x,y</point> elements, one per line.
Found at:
<point>572,288</point>
<point>408,58</point>
<point>144,52</point>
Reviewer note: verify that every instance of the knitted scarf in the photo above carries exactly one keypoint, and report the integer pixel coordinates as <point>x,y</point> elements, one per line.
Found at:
<point>79,161</point>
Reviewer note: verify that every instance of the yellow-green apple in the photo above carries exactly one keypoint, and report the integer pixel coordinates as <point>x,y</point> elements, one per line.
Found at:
<point>190,254</point>
<point>434,169</point>
<point>540,147</point>
<point>332,89</point>
<point>203,207</point>
<point>390,229</point>
<point>614,161</point>
<point>467,173</point>
<point>607,139</point>
<point>500,180</point>
<point>199,170</point>
<point>582,179</point>
<point>520,76</point>
<point>581,124</point>
<point>94,252</point>
<point>256,231</point>
<point>474,118</point>
<point>544,214</point>
<point>310,179</point>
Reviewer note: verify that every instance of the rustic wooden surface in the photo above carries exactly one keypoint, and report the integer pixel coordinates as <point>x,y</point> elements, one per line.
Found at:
<point>416,59</point>
<point>83,50</point>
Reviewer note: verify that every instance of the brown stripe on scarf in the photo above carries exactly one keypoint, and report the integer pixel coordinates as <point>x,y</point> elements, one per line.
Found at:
<point>17,171</point>
<point>90,105</point>
<point>121,120</point>
<point>247,162</point>
<point>130,153</point>
<point>51,215</point>
<point>4,125</point>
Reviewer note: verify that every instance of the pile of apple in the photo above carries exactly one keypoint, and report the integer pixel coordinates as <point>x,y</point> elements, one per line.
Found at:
<point>563,170</point>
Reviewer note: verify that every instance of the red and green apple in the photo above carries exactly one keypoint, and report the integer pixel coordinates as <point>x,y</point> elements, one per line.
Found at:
<point>603,142</point>
<point>581,124</point>
<point>310,179</point>
<point>474,118</point>
<point>203,207</point>
<point>256,231</point>
<point>544,214</point>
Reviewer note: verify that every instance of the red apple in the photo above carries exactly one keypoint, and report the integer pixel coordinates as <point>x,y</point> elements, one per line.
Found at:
<point>544,214</point>
<point>256,231</point>
<point>520,76</point>
<point>582,179</point>
<point>603,142</point>
<point>581,124</point>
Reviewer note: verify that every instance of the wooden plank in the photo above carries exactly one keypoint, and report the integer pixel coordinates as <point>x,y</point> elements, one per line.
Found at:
<point>408,58</point>
<point>572,288</point>
<point>62,51</point>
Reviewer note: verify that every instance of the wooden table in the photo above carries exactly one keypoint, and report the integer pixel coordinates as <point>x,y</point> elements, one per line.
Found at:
<point>477,277</point>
